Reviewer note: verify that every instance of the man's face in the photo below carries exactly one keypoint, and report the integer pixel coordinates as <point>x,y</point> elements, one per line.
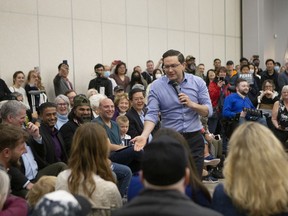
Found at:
<point>106,109</point>
<point>49,116</point>
<point>173,68</point>
<point>82,112</point>
<point>243,88</point>
<point>19,119</point>
<point>71,96</point>
<point>150,67</point>
<point>230,67</point>
<point>137,101</point>
<point>217,64</point>
<point>270,66</point>
<point>201,69</point>
<point>16,153</point>
<point>64,69</point>
<point>100,71</point>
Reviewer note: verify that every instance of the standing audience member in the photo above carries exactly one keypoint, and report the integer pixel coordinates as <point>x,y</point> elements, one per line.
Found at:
<point>61,81</point>
<point>148,73</point>
<point>136,78</point>
<point>120,75</point>
<point>280,117</point>
<point>253,153</point>
<point>231,73</point>
<point>31,85</point>
<point>190,65</point>
<point>71,94</point>
<point>210,76</point>
<point>217,64</point>
<point>89,172</point>
<point>270,73</point>
<point>179,110</point>
<point>63,108</point>
<point>200,71</point>
<point>165,173</point>
<point>18,81</point>
<point>101,83</point>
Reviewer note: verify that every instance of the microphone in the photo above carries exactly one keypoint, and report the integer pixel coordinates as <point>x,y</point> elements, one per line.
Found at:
<point>176,87</point>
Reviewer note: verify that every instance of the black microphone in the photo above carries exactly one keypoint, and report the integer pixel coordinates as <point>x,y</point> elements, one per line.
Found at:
<point>175,85</point>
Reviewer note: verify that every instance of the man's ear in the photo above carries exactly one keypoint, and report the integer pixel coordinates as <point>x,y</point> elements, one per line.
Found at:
<point>6,152</point>
<point>187,176</point>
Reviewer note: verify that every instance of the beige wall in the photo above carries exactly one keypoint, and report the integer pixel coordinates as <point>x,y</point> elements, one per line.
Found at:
<point>85,32</point>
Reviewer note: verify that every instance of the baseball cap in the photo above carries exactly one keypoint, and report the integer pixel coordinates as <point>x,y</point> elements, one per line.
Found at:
<point>118,88</point>
<point>81,100</point>
<point>62,203</point>
<point>164,161</point>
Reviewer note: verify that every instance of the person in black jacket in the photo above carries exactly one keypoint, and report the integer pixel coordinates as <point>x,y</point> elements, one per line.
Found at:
<point>4,91</point>
<point>101,83</point>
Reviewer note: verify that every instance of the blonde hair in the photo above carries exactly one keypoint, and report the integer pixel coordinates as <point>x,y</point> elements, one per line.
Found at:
<point>44,185</point>
<point>122,119</point>
<point>4,187</point>
<point>254,155</point>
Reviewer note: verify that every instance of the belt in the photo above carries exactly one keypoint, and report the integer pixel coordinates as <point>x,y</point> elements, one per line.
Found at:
<point>185,134</point>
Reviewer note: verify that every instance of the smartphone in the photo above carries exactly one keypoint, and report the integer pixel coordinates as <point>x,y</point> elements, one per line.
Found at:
<point>65,62</point>
<point>217,137</point>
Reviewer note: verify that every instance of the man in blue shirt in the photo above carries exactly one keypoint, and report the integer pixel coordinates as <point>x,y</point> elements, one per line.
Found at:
<point>181,98</point>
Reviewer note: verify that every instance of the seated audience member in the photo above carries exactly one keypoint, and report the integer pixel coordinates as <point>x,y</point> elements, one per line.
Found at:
<point>119,154</point>
<point>94,101</point>
<point>61,81</point>
<point>195,189</point>
<point>280,117</point>
<point>101,83</point>
<point>32,163</point>
<point>118,90</point>
<point>80,114</point>
<point>165,173</point>
<point>44,185</point>
<point>12,146</point>
<point>122,105</point>
<point>89,173</point>
<point>235,103</point>
<point>62,203</point>
<point>4,91</point>
<point>123,123</point>
<point>63,109</point>
<point>10,205</point>
<point>267,96</point>
<point>71,94</point>
<point>52,140</point>
<point>254,153</point>
<point>91,92</point>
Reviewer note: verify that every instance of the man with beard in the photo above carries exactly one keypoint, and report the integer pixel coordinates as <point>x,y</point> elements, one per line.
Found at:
<point>190,65</point>
<point>80,113</point>
<point>12,145</point>
<point>52,139</point>
<point>235,104</point>
<point>33,164</point>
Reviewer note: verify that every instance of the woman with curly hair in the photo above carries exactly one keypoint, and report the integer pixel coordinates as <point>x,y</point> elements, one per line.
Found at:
<point>89,173</point>
<point>255,174</point>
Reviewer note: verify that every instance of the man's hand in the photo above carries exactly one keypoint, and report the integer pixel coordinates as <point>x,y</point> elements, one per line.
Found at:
<point>33,130</point>
<point>139,142</point>
<point>29,186</point>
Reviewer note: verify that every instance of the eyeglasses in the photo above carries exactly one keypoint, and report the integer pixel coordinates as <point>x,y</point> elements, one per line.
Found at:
<point>173,66</point>
<point>268,86</point>
<point>61,104</point>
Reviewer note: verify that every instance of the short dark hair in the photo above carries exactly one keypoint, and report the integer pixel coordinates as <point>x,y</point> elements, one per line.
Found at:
<point>268,60</point>
<point>239,80</point>
<point>243,66</point>
<point>177,53</point>
<point>98,66</point>
<point>44,106</point>
<point>243,59</point>
<point>60,65</point>
<point>134,91</point>
<point>216,59</point>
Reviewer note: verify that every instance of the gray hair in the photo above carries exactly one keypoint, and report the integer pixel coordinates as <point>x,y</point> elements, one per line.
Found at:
<point>11,107</point>
<point>64,98</point>
<point>95,100</point>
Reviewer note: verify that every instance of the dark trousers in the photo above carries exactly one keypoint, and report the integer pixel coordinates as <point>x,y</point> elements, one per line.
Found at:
<point>196,144</point>
<point>128,157</point>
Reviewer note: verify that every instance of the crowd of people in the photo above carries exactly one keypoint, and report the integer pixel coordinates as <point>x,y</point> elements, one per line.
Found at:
<point>145,144</point>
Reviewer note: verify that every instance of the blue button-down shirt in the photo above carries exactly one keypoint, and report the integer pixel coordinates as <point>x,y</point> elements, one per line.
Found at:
<point>163,98</point>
